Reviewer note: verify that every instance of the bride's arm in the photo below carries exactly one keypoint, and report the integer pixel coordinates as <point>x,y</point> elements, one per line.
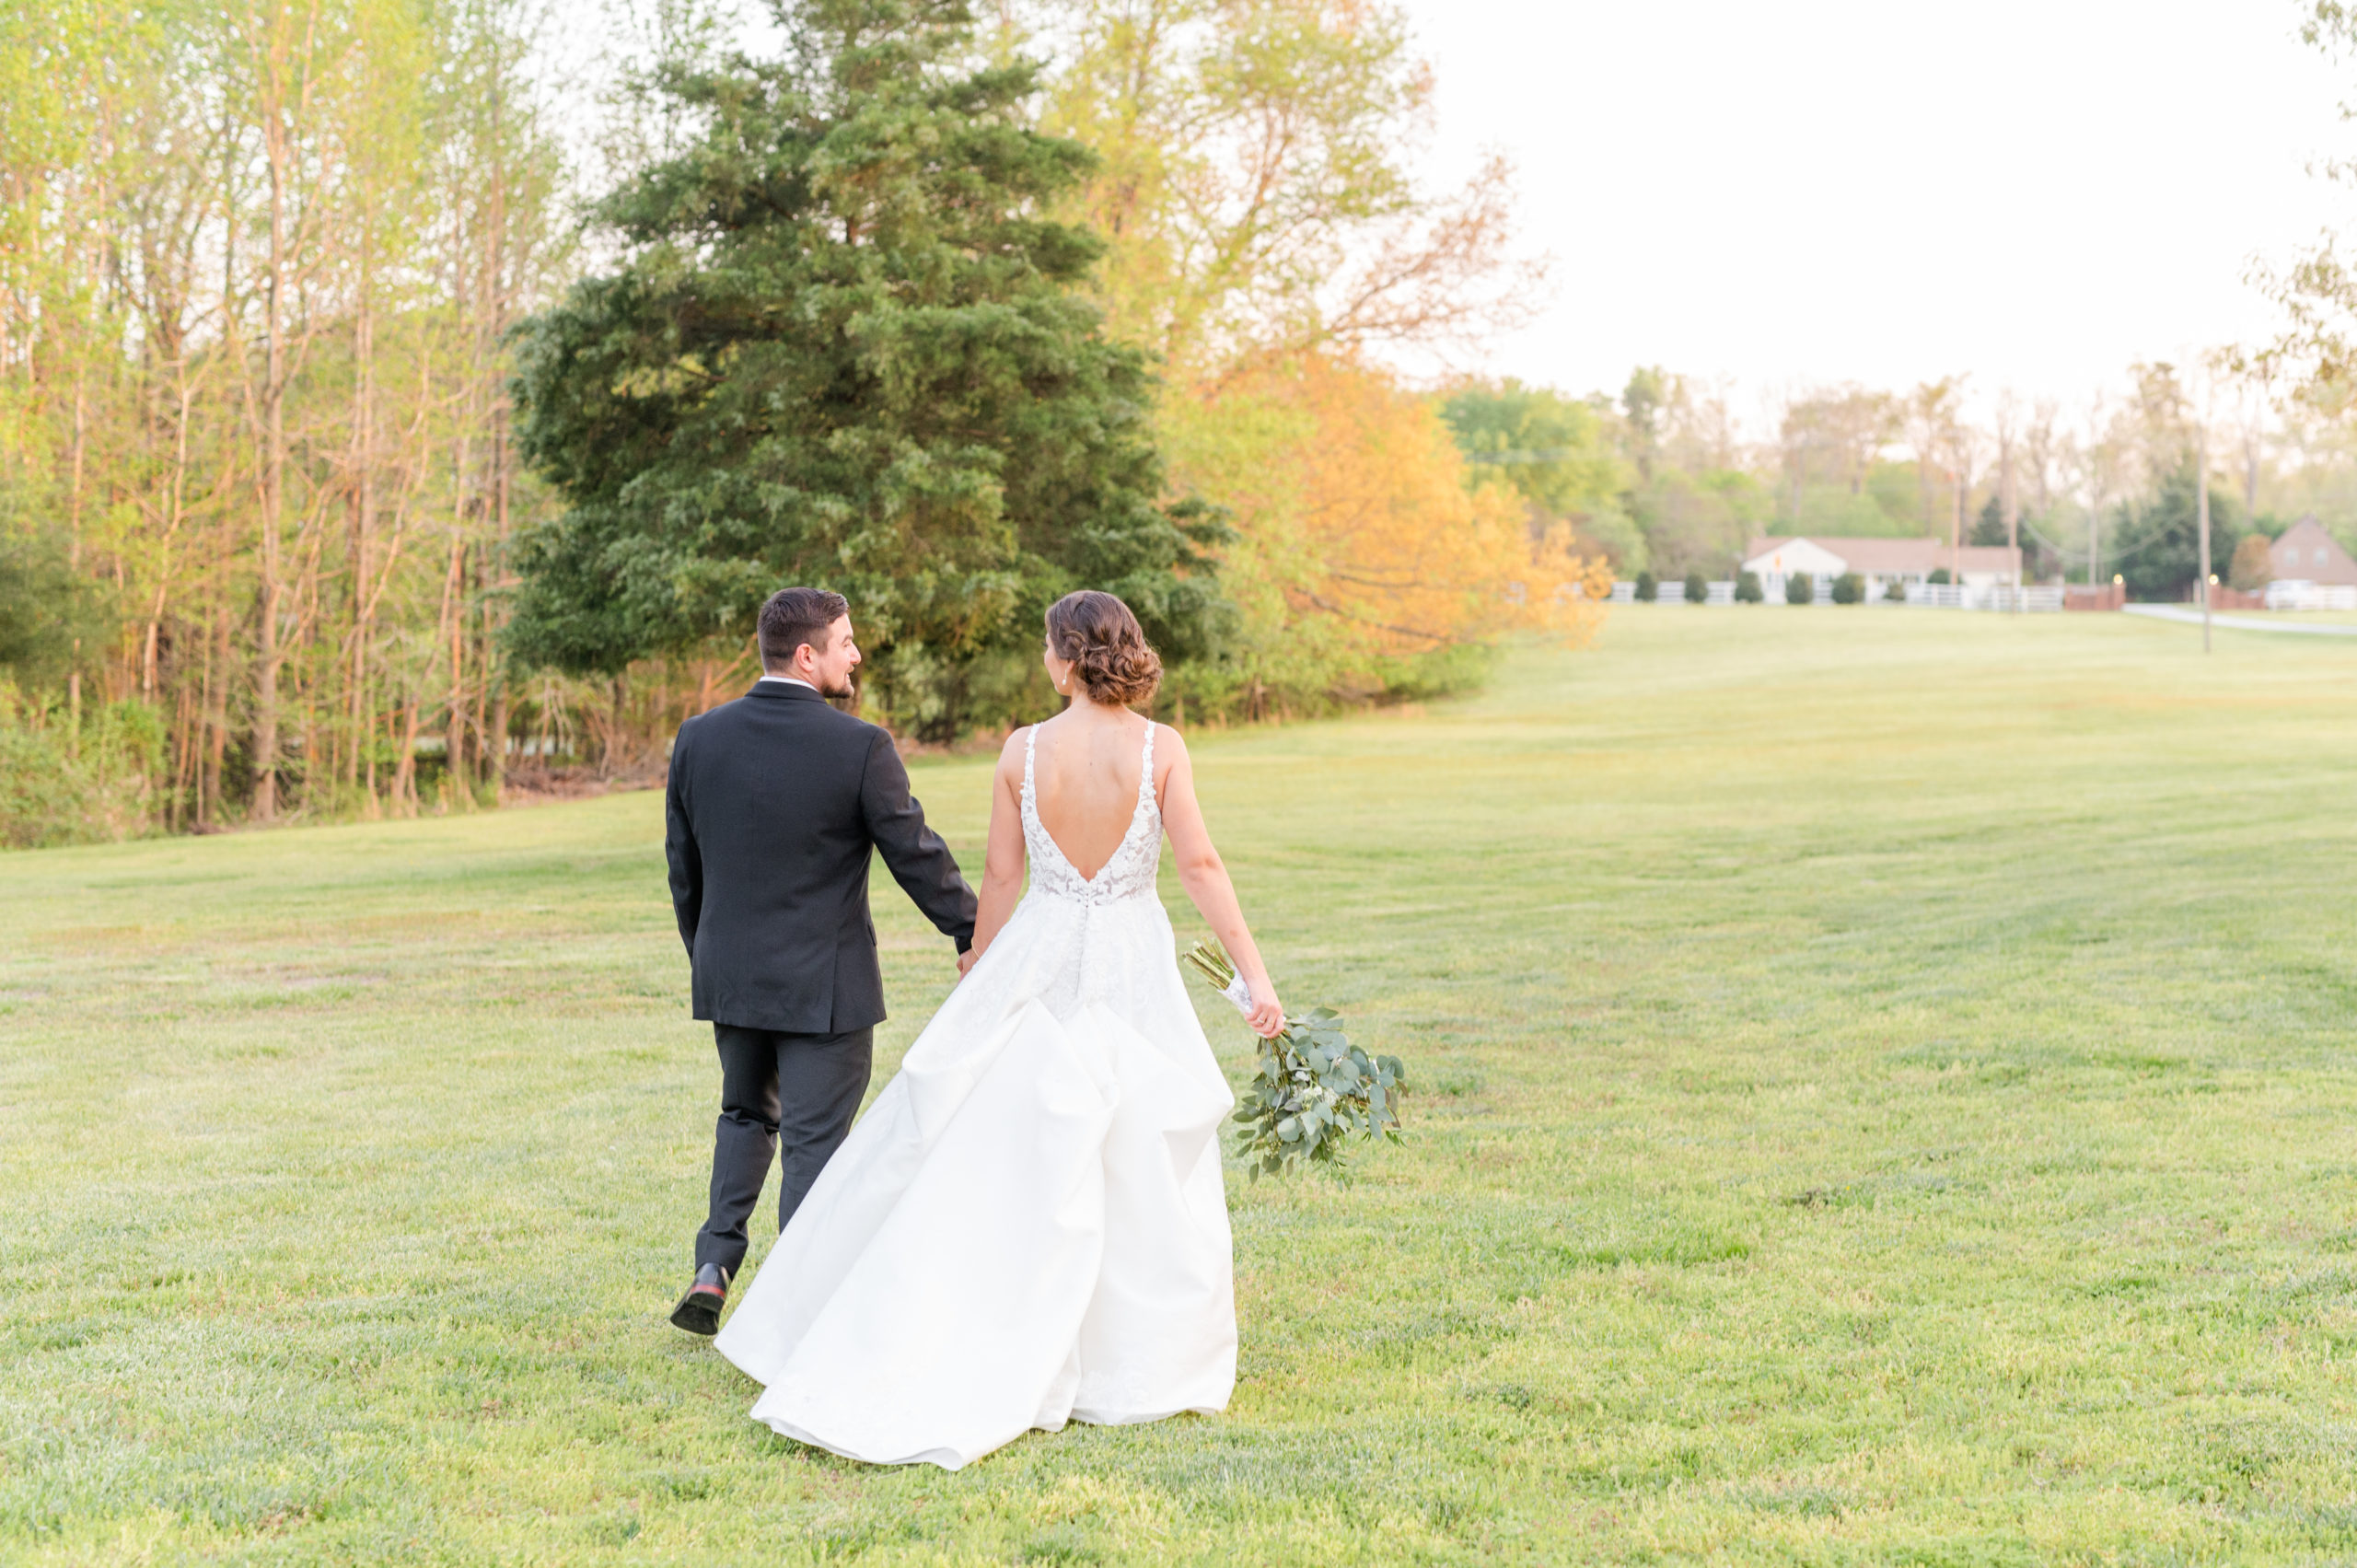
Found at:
<point>1003,859</point>
<point>1204,876</point>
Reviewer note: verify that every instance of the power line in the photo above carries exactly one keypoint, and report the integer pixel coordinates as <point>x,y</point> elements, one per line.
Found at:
<point>2080,557</point>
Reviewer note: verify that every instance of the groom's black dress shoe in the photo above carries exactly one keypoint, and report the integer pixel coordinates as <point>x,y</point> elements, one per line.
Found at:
<point>699,1310</point>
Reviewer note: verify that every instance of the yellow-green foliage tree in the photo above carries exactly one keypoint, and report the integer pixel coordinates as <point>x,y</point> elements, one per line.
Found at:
<point>1367,566</point>
<point>1268,242</point>
<point>1559,455</point>
<point>256,262</point>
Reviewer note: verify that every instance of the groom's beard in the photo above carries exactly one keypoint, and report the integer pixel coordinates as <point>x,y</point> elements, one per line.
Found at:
<point>839,690</point>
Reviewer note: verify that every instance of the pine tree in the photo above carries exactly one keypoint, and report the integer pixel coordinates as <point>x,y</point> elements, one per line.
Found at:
<point>846,348</point>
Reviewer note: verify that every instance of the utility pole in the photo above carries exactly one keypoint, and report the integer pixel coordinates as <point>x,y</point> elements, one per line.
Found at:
<point>1955,534</point>
<point>2013,505</point>
<point>2201,520</point>
<point>2095,540</point>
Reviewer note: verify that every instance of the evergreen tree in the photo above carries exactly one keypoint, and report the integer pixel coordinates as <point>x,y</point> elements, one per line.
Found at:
<point>845,348</point>
<point>1989,531</point>
<point>2157,546</point>
<point>1988,528</point>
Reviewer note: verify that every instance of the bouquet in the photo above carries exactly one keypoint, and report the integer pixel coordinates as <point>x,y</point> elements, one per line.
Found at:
<point>1314,1087</point>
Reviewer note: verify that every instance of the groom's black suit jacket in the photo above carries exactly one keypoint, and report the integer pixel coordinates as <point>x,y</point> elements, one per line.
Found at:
<point>774,804</point>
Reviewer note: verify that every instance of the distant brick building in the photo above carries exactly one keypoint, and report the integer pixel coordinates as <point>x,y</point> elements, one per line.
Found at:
<point>2306,554</point>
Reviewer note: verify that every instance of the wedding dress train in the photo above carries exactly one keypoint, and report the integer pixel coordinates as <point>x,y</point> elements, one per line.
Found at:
<point>1029,1224</point>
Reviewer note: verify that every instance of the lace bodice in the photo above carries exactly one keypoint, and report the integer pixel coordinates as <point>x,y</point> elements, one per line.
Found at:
<point>1130,871</point>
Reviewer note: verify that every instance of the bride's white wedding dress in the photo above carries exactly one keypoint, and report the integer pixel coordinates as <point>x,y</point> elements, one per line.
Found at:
<point>1029,1224</point>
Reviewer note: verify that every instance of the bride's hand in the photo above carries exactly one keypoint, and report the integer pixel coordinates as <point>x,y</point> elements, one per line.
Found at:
<point>1267,1016</point>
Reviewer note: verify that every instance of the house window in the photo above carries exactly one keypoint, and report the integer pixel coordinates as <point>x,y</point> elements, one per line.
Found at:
<point>2319,556</point>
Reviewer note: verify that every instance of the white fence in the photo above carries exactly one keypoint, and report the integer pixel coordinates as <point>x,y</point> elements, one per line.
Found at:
<point>1674,593</point>
<point>2294,594</point>
<point>2033,599</point>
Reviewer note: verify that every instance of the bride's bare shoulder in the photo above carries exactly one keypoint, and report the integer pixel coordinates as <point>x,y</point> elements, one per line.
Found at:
<point>1169,753</point>
<point>1010,756</point>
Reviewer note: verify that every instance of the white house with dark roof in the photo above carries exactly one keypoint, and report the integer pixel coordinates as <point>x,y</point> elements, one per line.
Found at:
<point>1881,562</point>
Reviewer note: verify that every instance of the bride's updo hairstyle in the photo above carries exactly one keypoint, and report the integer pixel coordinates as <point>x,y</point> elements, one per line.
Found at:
<point>1107,647</point>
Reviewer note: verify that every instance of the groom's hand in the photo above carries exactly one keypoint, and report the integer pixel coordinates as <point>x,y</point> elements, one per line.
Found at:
<point>966,961</point>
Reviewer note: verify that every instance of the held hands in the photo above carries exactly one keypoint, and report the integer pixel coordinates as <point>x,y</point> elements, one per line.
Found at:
<point>966,960</point>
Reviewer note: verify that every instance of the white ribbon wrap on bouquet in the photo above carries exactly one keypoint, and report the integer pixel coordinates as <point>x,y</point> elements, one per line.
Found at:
<point>1240,994</point>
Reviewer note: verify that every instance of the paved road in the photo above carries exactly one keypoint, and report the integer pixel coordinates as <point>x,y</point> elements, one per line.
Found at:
<point>2239,623</point>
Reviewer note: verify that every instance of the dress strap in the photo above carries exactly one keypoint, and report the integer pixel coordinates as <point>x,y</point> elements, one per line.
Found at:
<point>1145,770</point>
<point>1030,745</point>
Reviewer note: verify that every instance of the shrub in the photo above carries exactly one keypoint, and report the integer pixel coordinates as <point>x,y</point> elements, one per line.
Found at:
<point>2254,563</point>
<point>1698,589</point>
<point>1800,588</point>
<point>1849,588</point>
<point>1746,588</point>
<point>1939,577</point>
<point>1648,587</point>
<point>46,606</point>
<point>1897,592</point>
<point>59,788</point>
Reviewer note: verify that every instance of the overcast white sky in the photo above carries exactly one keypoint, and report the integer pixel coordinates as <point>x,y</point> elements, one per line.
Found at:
<point>2037,192</point>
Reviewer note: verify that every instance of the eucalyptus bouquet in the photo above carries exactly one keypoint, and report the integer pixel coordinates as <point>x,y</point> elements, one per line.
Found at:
<point>1314,1087</point>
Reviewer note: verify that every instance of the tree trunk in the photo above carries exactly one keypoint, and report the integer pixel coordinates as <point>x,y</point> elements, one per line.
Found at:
<point>74,560</point>
<point>187,737</point>
<point>495,298</point>
<point>1955,531</point>
<point>364,505</point>
<point>216,715</point>
<point>481,765</point>
<point>2011,505</point>
<point>453,640</point>
<point>405,791</point>
<point>279,155</point>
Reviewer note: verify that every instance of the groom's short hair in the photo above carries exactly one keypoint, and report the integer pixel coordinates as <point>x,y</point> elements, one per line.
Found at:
<point>796,616</point>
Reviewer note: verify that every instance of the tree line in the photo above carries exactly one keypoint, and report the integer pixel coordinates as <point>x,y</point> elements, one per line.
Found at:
<point>367,447</point>
<point>278,539</point>
<point>1663,477</point>
<point>255,487</point>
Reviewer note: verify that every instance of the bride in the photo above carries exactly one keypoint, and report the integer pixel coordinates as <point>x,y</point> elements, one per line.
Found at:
<point>1029,1226</point>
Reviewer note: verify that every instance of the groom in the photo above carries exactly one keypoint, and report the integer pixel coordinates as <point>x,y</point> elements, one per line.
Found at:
<point>775,804</point>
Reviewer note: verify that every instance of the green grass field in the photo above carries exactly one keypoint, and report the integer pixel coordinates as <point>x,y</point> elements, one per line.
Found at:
<point>1887,1095</point>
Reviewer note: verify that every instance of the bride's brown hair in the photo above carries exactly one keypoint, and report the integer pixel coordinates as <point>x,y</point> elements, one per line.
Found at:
<point>1107,647</point>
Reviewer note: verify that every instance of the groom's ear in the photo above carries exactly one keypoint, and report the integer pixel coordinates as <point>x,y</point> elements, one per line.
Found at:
<point>819,647</point>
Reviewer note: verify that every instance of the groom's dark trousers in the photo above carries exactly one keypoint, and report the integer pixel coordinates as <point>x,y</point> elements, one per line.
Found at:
<point>776,806</point>
<point>804,1088</point>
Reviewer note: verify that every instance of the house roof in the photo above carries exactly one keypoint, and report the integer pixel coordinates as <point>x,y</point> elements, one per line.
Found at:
<point>1890,556</point>
<point>2295,555</point>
